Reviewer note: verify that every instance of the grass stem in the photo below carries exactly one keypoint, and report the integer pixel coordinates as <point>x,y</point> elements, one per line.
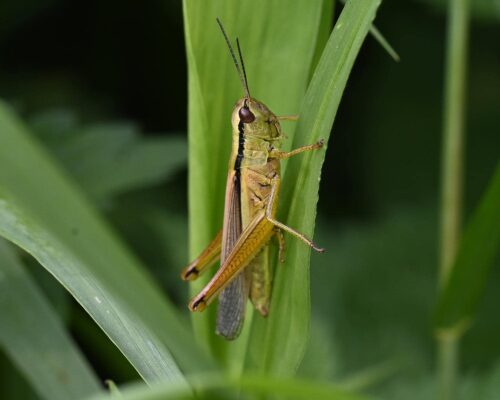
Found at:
<point>452,178</point>
<point>447,363</point>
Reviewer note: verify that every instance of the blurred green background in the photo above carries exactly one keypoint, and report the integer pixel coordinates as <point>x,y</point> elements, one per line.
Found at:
<point>106,81</point>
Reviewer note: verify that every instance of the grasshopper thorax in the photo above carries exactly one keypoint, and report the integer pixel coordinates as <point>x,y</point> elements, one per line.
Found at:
<point>252,118</point>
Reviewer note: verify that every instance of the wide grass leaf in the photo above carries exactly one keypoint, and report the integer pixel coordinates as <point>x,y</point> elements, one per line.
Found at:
<point>44,213</point>
<point>457,303</point>
<point>34,338</point>
<point>278,43</point>
<point>278,344</point>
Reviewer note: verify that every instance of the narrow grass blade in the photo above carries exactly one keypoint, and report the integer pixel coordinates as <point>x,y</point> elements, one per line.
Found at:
<point>277,41</point>
<point>384,43</point>
<point>377,35</point>
<point>34,338</point>
<point>457,303</point>
<point>44,213</point>
<point>278,344</point>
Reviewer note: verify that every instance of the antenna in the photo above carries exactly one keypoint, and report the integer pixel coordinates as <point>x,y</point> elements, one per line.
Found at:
<point>243,67</point>
<point>241,75</point>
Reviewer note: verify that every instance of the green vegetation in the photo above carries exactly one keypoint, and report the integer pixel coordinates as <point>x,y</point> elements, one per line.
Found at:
<point>100,205</point>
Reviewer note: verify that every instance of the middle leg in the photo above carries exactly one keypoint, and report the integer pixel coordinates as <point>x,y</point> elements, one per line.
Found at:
<point>280,225</point>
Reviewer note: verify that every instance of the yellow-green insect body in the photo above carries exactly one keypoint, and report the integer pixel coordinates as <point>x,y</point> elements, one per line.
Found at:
<point>251,201</point>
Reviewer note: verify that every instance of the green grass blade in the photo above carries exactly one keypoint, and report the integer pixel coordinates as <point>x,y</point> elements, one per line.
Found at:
<point>44,213</point>
<point>457,303</point>
<point>285,388</point>
<point>275,38</point>
<point>279,343</point>
<point>34,338</point>
<point>384,43</point>
<point>324,31</point>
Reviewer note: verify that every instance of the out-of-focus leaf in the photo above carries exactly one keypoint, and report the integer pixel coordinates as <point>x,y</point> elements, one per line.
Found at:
<point>34,338</point>
<point>488,10</point>
<point>375,290</point>
<point>285,388</point>
<point>14,385</point>
<point>44,213</point>
<point>55,127</point>
<point>480,243</point>
<point>474,385</point>
<point>168,228</point>
<point>489,387</point>
<point>113,389</point>
<point>371,376</point>
<point>320,359</point>
<point>279,342</point>
<point>108,159</point>
<point>420,387</point>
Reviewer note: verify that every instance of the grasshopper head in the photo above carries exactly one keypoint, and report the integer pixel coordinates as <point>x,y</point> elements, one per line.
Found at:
<point>255,119</point>
<point>250,117</point>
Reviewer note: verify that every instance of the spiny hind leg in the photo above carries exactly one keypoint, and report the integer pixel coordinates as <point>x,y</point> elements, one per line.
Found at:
<point>277,224</point>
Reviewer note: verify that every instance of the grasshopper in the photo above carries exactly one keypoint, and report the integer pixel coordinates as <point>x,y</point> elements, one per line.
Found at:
<point>252,188</point>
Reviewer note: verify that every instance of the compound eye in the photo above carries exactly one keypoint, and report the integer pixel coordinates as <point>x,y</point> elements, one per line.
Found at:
<point>246,116</point>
